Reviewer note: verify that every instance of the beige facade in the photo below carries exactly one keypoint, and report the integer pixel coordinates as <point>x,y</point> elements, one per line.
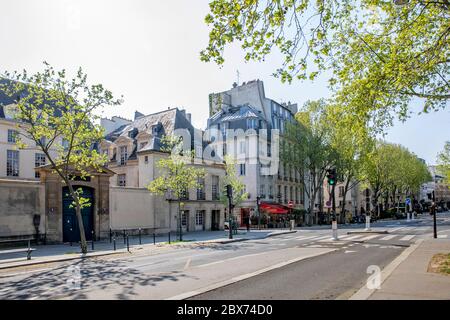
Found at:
<point>26,159</point>
<point>134,154</point>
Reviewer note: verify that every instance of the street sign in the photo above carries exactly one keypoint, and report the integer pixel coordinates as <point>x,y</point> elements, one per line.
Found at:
<point>328,204</point>
<point>408,201</point>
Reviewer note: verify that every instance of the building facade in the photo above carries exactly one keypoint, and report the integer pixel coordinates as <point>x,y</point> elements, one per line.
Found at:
<point>134,151</point>
<point>245,112</point>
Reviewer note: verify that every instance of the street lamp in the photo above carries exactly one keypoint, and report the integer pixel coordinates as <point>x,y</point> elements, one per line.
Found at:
<point>259,213</point>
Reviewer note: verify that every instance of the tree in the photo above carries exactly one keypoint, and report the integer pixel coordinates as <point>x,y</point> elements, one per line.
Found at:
<point>232,179</point>
<point>391,169</point>
<point>444,161</point>
<point>350,148</point>
<point>59,115</point>
<point>178,174</point>
<point>381,55</point>
<point>306,148</point>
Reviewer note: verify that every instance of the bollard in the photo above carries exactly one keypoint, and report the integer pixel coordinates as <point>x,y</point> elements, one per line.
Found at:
<point>335,230</point>
<point>367,223</point>
<point>110,235</point>
<point>114,241</point>
<point>140,240</point>
<point>124,237</point>
<point>169,237</point>
<point>128,245</point>
<point>154,238</point>
<point>93,235</point>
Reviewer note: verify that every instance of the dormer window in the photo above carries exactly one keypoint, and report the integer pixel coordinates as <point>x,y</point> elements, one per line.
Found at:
<point>123,155</point>
<point>142,145</point>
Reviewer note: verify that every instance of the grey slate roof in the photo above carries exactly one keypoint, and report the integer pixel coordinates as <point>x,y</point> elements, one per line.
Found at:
<point>157,124</point>
<point>235,113</point>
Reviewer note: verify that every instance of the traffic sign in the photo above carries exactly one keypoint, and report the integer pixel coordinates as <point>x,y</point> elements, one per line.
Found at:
<point>408,201</point>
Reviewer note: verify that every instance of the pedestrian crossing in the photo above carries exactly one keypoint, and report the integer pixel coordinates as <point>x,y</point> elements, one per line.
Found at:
<point>351,237</point>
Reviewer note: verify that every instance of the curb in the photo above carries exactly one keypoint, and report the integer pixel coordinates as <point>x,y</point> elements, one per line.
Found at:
<point>364,232</point>
<point>364,293</point>
<point>78,257</point>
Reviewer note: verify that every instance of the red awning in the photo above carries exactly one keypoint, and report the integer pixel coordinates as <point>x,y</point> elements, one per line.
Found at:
<point>273,208</point>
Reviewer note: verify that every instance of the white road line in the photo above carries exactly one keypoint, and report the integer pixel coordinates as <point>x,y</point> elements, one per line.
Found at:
<point>442,236</point>
<point>396,229</point>
<point>354,237</point>
<point>323,237</point>
<point>346,237</point>
<point>408,237</point>
<point>304,237</point>
<point>370,237</point>
<point>389,237</point>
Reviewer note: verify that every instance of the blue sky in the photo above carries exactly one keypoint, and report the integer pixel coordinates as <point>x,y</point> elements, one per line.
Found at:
<point>149,52</point>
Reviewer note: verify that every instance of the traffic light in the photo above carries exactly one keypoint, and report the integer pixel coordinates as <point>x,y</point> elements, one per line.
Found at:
<point>331,176</point>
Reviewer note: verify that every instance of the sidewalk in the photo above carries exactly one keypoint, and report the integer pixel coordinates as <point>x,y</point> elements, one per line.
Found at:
<point>410,279</point>
<point>63,252</point>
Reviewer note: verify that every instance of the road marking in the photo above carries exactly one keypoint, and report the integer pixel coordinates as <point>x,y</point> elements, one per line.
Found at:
<point>245,276</point>
<point>229,259</point>
<point>399,228</point>
<point>188,263</point>
<point>349,251</point>
<point>389,237</point>
<point>370,237</point>
<point>442,236</point>
<point>408,237</point>
<point>354,237</point>
<point>323,237</point>
<point>305,237</point>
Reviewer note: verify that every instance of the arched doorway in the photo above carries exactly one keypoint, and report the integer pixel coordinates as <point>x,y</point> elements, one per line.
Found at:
<point>71,231</point>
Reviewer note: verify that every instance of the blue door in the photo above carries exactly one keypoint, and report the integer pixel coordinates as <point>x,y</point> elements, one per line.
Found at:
<point>71,231</point>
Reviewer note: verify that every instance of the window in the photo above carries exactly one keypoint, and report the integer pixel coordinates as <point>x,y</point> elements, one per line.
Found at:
<point>341,191</point>
<point>185,195</point>
<point>122,180</point>
<point>242,169</point>
<point>146,159</point>
<point>123,155</point>
<point>199,217</point>
<point>215,188</point>
<point>12,136</point>
<point>201,189</point>
<point>271,192</point>
<point>142,145</point>
<point>242,146</point>
<point>285,194</point>
<point>252,123</point>
<point>12,163</point>
<point>291,193</point>
<point>39,160</point>
<point>262,191</point>
<point>43,141</point>
<point>184,214</point>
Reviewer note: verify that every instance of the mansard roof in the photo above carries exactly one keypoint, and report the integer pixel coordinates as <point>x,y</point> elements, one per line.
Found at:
<point>236,113</point>
<point>157,125</point>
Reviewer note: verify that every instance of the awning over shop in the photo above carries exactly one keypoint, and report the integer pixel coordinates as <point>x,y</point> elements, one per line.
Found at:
<point>273,208</point>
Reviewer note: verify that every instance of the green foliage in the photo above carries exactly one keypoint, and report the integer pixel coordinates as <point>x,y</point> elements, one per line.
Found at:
<point>444,161</point>
<point>58,114</point>
<point>306,146</point>
<point>381,55</point>
<point>178,173</point>
<point>391,168</point>
<point>232,179</point>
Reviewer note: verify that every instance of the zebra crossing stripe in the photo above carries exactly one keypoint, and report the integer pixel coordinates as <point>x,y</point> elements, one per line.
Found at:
<point>396,229</point>
<point>389,237</point>
<point>408,237</point>
<point>442,236</point>
<point>354,237</point>
<point>305,237</point>
<point>370,237</point>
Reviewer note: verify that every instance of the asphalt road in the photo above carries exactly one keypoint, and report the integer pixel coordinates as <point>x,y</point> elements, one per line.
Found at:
<point>325,269</point>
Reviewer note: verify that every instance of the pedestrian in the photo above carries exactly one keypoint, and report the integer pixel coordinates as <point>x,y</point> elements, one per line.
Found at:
<point>248,224</point>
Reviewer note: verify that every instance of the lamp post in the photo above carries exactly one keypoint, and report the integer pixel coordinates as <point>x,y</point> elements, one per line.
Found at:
<point>169,199</point>
<point>259,212</point>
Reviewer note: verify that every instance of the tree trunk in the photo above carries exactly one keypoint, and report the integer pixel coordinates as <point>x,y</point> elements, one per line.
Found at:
<point>83,243</point>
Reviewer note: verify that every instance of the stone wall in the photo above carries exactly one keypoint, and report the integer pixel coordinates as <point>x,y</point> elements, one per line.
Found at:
<point>19,201</point>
